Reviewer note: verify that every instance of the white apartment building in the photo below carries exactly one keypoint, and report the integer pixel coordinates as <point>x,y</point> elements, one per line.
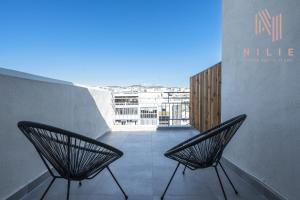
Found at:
<point>139,105</point>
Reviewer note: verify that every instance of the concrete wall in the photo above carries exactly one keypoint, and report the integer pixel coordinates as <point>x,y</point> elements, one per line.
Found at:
<point>267,89</point>
<point>83,110</point>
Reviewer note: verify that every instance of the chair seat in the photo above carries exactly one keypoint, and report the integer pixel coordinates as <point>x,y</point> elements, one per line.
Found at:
<point>205,149</point>
<point>74,157</point>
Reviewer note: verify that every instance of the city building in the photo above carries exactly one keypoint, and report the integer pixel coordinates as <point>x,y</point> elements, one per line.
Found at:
<point>152,105</point>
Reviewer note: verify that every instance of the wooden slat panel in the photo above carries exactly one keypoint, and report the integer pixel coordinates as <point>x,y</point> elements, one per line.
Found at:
<point>205,98</point>
<point>201,105</point>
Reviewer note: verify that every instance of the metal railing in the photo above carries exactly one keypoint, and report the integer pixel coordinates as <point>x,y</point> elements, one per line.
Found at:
<point>178,106</point>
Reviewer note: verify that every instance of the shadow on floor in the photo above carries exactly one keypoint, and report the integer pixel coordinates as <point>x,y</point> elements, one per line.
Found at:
<point>143,172</point>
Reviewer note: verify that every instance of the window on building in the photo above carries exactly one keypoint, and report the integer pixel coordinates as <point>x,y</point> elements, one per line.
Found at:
<point>164,120</point>
<point>126,111</point>
<point>148,112</point>
<point>126,100</point>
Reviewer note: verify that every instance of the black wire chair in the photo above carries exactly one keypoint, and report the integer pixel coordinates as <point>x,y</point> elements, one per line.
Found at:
<point>205,150</point>
<point>74,157</point>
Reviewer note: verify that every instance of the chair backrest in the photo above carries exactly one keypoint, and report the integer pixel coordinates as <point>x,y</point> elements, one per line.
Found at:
<point>72,155</point>
<point>206,148</point>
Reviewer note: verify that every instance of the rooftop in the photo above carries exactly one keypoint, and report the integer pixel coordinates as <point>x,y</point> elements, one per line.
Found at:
<point>143,172</point>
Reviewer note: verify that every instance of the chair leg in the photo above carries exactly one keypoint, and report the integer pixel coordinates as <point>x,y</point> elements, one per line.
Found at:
<point>50,184</point>
<point>235,190</point>
<point>126,197</point>
<point>186,165</point>
<point>216,169</point>
<point>162,197</point>
<point>183,172</point>
<point>68,192</point>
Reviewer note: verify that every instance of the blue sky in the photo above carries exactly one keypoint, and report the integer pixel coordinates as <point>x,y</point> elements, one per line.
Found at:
<point>111,42</point>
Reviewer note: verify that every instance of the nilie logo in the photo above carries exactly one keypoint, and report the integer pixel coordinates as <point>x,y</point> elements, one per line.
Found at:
<point>272,50</point>
<point>271,25</point>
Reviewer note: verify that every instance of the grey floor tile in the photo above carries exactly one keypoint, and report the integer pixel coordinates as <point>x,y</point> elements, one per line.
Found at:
<point>144,172</point>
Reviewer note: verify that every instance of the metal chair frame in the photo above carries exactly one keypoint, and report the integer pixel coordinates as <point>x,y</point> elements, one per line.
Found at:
<point>74,157</point>
<point>205,150</point>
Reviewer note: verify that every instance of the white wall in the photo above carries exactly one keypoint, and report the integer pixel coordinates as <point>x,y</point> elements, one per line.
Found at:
<point>268,91</point>
<point>84,110</point>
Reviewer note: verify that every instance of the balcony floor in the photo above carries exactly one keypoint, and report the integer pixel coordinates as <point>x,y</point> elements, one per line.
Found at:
<point>144,172</point>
